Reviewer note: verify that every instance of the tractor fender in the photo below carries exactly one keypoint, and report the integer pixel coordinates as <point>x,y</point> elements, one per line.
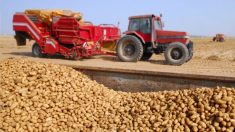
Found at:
<point>133,33</point>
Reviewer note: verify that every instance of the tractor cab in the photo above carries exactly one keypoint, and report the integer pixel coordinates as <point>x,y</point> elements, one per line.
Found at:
<point>144,24</point>
<point>145,36</point>
<point>145,27</point>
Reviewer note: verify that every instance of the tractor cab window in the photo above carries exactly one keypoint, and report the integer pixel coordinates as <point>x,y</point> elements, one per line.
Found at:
<point>158,25</point>
<point>134,24</point>
<point>145,25</point>
<point>142,24</point>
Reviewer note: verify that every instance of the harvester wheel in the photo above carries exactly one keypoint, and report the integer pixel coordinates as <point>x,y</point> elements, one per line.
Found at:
<point>176,54</point>
<point>36,51</point>
<point>129,49</point>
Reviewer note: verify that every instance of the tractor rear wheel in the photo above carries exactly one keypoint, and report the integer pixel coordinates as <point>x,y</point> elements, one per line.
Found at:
<point>176,54</point>
<point>129,49</point>
<point>37,51</point>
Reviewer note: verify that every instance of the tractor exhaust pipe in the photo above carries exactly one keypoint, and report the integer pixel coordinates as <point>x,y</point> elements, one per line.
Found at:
<point>153,33</point>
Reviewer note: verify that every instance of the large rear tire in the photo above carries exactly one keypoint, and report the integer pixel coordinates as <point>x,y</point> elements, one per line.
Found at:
<point>176,54</point>
<point>37,51</point>
<point>129,49</point>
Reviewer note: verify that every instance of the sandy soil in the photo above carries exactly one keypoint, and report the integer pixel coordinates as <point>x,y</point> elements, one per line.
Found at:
<point>206,49</point>
<point>210,58</point>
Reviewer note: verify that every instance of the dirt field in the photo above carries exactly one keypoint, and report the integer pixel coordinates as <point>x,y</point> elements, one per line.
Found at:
<point>210,58</point>
<point>206,49</point>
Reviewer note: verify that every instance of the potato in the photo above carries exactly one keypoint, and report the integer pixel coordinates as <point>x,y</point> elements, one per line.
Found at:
<point>47,97</point>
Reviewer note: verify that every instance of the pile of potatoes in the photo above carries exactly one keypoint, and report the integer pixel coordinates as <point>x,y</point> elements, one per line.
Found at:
<point>47,97</point>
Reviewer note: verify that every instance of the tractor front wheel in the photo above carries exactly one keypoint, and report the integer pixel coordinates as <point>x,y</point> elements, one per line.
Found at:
<point>176,54</point>
<point>37,51</point>
<point>129,49</point>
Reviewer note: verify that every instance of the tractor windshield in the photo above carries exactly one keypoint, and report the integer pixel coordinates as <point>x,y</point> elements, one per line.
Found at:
<point>158,25</point>
<point>140,24</point>
<point>134,25</point>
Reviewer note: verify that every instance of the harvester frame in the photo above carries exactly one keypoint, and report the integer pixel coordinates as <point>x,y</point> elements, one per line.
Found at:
<point>64,35</point>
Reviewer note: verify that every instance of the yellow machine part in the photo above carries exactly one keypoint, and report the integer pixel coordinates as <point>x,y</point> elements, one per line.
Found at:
<point>46,15</point>
<point>109,46</point>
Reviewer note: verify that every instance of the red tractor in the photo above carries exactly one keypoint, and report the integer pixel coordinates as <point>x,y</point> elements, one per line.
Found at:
<point>219,38</point>
<point>146,36</point>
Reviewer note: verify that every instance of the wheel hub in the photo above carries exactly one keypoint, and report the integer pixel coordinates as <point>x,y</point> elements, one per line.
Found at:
<point>176,54</point>
<point>129,49</point>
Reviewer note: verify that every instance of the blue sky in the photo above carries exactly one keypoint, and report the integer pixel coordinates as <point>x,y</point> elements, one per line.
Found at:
<point>197,17</point>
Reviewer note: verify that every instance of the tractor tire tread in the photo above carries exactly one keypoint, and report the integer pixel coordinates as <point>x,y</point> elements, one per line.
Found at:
<point>181,61</point>
<point>138,45</point>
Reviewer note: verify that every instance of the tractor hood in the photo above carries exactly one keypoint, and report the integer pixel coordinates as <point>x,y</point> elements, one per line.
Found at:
<point>171,36</point>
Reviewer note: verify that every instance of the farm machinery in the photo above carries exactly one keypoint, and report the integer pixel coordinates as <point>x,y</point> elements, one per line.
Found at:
<point>62,32</point>
<point>146,36</point>
<point>219,38</point>
<point>65,33</point>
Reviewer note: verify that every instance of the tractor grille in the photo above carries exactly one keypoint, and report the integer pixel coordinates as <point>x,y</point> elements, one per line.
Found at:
<point>33,18</point>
